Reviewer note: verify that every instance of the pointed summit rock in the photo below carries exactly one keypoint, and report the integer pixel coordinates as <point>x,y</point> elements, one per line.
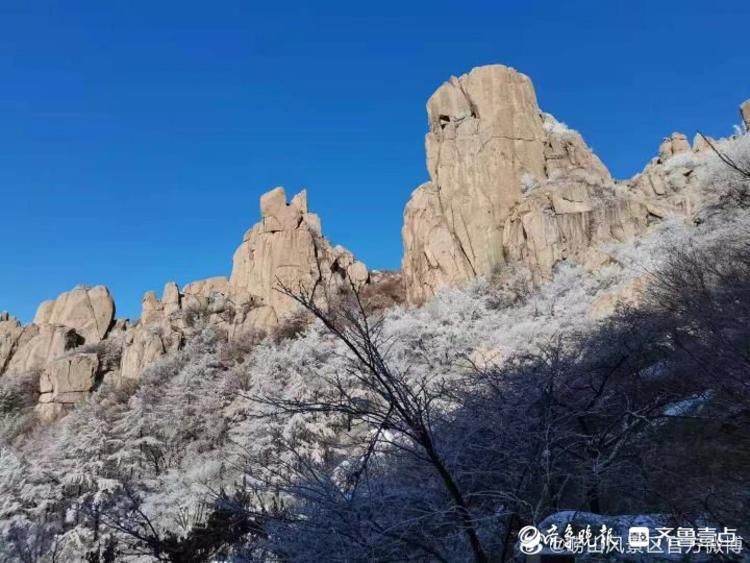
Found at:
<point>511,184</point>
<point>500,170</point>
<point>286,248</point>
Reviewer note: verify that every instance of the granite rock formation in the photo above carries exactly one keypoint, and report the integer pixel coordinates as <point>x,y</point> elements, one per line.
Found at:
<point>74,342</point>
<point>509,186</point>
<point>285,248</point>
<point>745,114</point>
<point>510,183</point>
<point>90,311</point>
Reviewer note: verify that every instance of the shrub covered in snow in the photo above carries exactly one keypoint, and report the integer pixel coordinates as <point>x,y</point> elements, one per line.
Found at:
<point>513,404</point>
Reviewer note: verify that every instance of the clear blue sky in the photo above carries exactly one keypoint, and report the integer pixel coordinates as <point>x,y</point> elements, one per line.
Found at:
<point>136,137</point>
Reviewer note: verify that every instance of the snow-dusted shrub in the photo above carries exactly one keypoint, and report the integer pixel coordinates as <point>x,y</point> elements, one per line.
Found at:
<point>554,127</point>
<point>206,420</point>
<point>568,424</point>
<point>510,285</point>
<point>727,182</point>
<point>108,352</point>
<point>18,396</point>
<point>385,291</point>
<point>18,392</point>
<point>291,326</point>
<point>688,160</point>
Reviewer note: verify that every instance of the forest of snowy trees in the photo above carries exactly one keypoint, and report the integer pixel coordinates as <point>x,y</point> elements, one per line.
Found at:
<point>387,436</point>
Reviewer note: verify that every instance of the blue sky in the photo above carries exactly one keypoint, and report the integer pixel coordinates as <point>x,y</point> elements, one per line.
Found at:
<point>136,137</point>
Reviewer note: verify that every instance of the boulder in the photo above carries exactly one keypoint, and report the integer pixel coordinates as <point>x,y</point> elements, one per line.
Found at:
<point>69,379</point>
<point>142,346</point>
<point>40,344</point>
<point>90,311</point>
<point>207,286</point>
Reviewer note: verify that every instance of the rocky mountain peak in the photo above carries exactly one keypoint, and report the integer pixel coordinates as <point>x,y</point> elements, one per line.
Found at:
<point>508,185</point>
<point>75,343</point>
<point>511,184</point>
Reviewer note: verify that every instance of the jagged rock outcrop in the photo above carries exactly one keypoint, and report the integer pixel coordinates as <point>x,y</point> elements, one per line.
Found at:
<point>569,211</point>
<point>745,114</point>
<point>81,315</point>
<point>160,329</point>
<point>669,185</point>
<point>485,136</point>
<point>507,182</point>
<point>142,346</point>
<point>165,323</point>
<point>51,346</point>
<point>676,144</point>
<point>567,157</point>
<point>200,293</point>
<point>286,248</point>
<point>42,344</point>
<point>510,183</point>
<point>90,311</point>
<point>11,332</point>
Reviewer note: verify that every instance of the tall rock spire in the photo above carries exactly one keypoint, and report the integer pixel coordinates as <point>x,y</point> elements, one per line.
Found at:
<point>510,183</point>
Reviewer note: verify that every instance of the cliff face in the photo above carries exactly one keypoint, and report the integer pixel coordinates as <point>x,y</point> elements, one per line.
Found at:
<point>509,183</point>
<point>485,136</point>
